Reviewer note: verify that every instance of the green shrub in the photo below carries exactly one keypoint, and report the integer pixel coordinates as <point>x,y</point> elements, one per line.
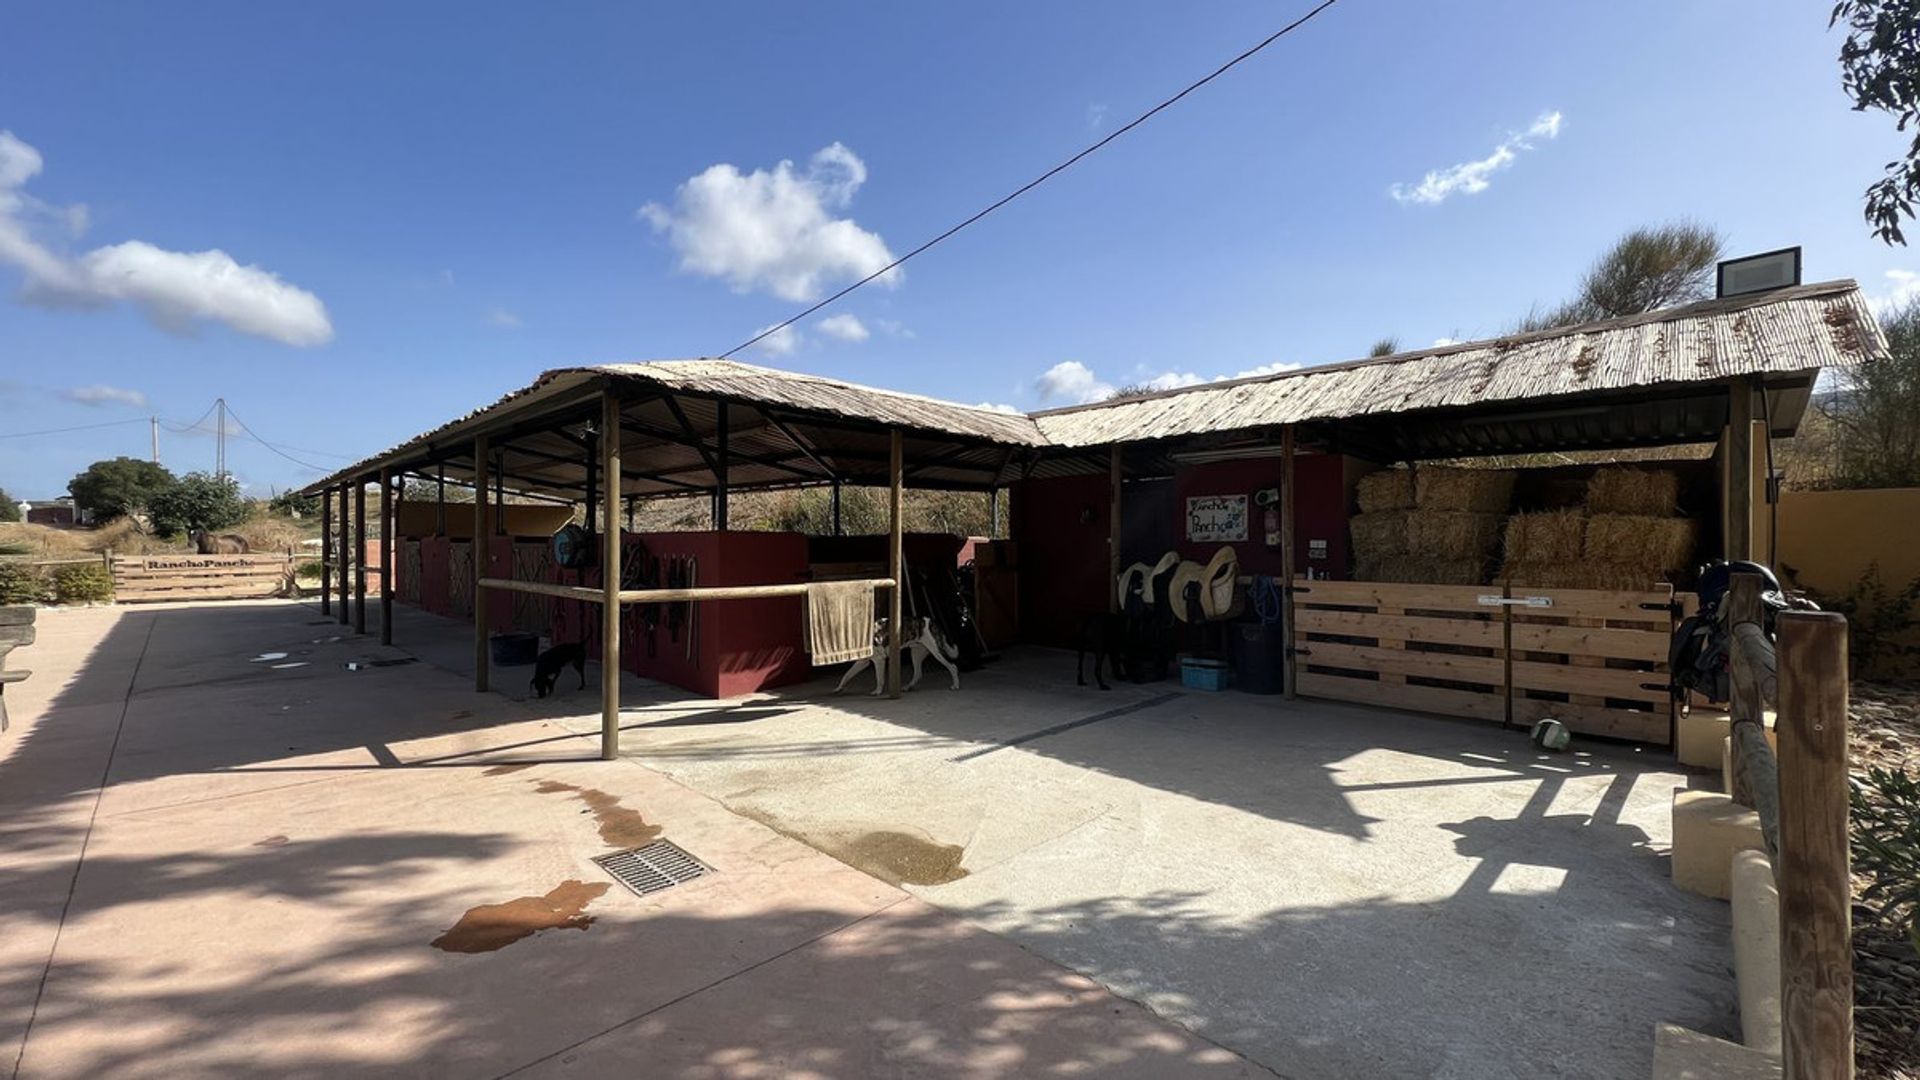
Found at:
<point>21,584</point>
<point>82,583</point>
<point>312,568</point>
<point>1886,846</point>
<point>15,547</point>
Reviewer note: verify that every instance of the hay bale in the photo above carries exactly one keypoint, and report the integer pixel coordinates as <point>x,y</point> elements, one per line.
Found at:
<point>1387,489</point>
<point>1579,574</point>
<point>1421,570</point>
<point>1453,534</point>
<point>1485,491</point>
<point>1377,534</point>
<point>1654,545</point>
<point>1549,536</point>
<point>1638,492</point>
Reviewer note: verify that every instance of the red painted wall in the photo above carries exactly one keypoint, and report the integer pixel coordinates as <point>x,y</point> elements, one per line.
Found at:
<point>1060,529</point>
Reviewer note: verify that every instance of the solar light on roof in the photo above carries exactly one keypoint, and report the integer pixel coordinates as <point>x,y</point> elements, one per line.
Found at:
<point>1759,273</point>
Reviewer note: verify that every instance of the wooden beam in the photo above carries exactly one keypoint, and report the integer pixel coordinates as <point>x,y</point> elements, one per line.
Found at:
<point>597,595</point>
<point>1816,892</point>
<point>478,569</point>
<point>360,556</point>
<point>346,556</point>
<point>1738,470</point>
<point>386,556</point>
<point>326,552</point>
<point>1114,524</point>
<point>610,581</point>
<point>896,559</point>
<point>1286,560</point>
<point>720,478</point>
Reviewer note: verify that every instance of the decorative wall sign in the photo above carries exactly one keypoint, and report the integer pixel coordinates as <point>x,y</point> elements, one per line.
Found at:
<point>1217,519</point>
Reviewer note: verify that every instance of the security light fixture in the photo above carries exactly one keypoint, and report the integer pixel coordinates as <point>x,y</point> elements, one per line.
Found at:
<point>1759,273</point>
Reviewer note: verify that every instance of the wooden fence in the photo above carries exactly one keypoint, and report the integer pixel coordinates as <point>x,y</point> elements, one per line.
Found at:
<point>150,578</point>
<point>1800,796</point>
<point>1594,660</point>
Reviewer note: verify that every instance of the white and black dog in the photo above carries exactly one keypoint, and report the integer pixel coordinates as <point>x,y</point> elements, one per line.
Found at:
<point>923,639</point>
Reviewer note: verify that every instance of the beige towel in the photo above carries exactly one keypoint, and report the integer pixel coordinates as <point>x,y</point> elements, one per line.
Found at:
<point>839,621</point>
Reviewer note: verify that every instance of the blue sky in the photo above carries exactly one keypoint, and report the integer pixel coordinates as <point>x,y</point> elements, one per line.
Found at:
<point>354,221</point>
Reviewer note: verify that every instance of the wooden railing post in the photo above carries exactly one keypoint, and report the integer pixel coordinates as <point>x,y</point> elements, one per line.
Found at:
<point>1816,952</point>
<point>480,562</point>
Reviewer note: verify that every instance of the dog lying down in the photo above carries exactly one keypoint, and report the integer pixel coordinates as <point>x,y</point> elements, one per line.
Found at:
<point>923,639</point>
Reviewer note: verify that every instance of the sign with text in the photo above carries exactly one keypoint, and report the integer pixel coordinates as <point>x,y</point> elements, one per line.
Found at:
<point>1217,519</point>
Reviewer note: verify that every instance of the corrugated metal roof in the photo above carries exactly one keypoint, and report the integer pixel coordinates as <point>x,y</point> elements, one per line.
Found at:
<point>1791,330</point>
<point>1786,331</point>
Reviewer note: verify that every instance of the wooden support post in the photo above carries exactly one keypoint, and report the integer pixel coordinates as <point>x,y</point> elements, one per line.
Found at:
<point>836,508</point>
<point>896,560</point>
<point>360,555</point>
<point>593,486</point>
<point>386,556</point>
<point>326,552</point>
<point>440,503</point>
<point>1738,470</point>
<point>1816,895</point>
<point>720,455</point>
<point>346,555</point>
<point>479,562</point>
<point>993,514</point>
<point>1286,559</point>
<point>610,581</point>
<point>1114,477</point>
<point>1745,705</point>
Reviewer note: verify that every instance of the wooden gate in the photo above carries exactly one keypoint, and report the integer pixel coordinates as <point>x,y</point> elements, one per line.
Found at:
<point>148,578</point>
<point>1594,660</point>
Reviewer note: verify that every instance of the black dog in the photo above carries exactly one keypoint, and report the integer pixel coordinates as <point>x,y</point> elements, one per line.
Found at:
<point>1109,638</point>
<point>547,669</point>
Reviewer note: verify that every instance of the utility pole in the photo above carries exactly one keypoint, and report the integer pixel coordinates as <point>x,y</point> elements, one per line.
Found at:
<point>153,425</point>
<point>220,439</point>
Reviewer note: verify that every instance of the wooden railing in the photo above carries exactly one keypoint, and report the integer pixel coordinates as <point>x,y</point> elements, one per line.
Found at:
<point>1800,797</point>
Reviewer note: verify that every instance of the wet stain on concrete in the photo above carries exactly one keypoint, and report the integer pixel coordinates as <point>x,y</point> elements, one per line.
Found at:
<point>620,827</point>
<point>463,714</point>
<point>899,858</point>
<point>506,770</point>
<point>271,841</point>
<point>496,926</point>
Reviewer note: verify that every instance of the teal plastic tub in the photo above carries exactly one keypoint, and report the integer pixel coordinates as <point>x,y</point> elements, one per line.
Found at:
<point>1199,673</point>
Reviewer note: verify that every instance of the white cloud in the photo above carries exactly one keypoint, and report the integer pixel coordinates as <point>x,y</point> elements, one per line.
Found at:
<point>504,319</point>
<point>998,407</point>
<point>894,328</point>
<point>844,327</point>
<point>1073,382</point>
<point>1903,288</point>
<point>1274,368</point>
<point>175,289</point>
<point>1473,177</point>
<point>779,343</point>
<point>1443,342</point>
<point>774,230</point>
<point>102,394</point>
<point>1096,115</point>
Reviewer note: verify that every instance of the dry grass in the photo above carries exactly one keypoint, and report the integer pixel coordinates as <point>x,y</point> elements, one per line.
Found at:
<point>1581,574</point>
<point>1422,570</point>
<point>1637,492</point>
<point>1550,536</point>
<point>1453,534</point>
<point>1484,491</point>
<point>1387,489</point>
<point>270,535</point>
<point>1655,545</point>
<point>47,542</point>
<point>1379,534</point>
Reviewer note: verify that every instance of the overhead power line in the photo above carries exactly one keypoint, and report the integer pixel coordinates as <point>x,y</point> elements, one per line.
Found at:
<point>77,427</point>
<point>1042,178</point>
<point>235,417</point>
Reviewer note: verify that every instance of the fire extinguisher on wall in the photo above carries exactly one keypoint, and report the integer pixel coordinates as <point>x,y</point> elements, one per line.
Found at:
<point>1269,501</point>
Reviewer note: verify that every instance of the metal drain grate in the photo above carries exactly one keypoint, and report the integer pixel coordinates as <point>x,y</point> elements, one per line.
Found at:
<point>660,865</point>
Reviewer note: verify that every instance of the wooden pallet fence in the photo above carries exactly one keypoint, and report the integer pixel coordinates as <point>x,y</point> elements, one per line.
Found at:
<point>1595,660</point>
<point>152,578</point>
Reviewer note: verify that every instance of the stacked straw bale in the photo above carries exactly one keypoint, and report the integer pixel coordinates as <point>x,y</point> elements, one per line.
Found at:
<point>1482,491</point>
<point>1421,570</point>
<point>1629,536</point>
<point>1432,525</point>
<point>1378,534</point>
<point>1637,492</point>
<point>1388,489</point>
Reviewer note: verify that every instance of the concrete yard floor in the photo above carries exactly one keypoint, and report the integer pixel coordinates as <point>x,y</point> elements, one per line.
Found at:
<point>224,852</point>
<point>1332,891</point>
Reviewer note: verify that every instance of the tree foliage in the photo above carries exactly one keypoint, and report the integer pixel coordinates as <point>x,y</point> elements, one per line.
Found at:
<point>197,501</point>
<point>293,504</point>
<point>1880,69</point>
<point>118,487</point>
<point>1648,269</point>
<point>9,507</point>
<point>1873,433</point>
<point>1386,346</point>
